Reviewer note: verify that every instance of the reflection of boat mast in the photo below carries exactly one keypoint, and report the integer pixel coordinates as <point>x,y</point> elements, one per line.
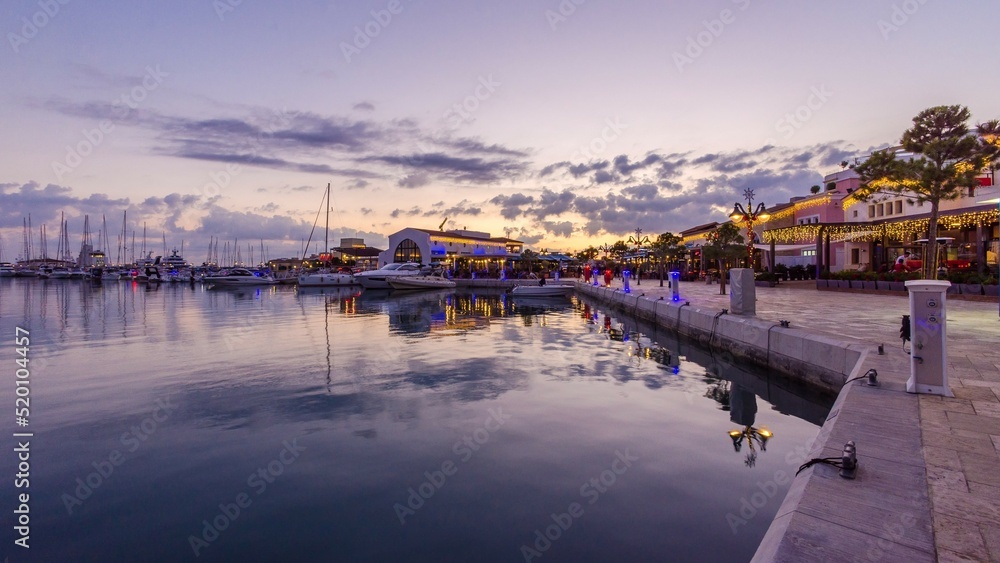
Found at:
<point>329,347</point>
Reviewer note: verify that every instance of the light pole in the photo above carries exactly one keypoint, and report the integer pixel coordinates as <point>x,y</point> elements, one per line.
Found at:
<point>638,241</point>
<point>741,215</point>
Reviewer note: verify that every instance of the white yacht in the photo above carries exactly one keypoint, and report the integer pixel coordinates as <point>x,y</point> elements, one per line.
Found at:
<point>240,276</point>
<point>376,279</point>
<point>175,262</point>
<point>433,281</point>
<point>7,270</point>
<point>60,273</point>
<point>326,278</point>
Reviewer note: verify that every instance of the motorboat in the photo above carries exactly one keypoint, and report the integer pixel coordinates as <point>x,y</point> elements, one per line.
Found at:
<point>433,281</point>
<point>7,270</point>
<point>326,278</point>
<point>377,279</point>
<point>548,290</point>
<point>240,276</point>
<point>60,273</point>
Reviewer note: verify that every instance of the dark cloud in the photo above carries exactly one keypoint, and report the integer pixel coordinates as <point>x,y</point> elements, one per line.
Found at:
<point>473,170</point>
<point>364,106</point>
<point>625,168</point>
<point>560,229</point>
<point>603,177</point>
<point>45,203</point>
<point>414,180</point>
<point>551,203</point>
<point>510,206</point>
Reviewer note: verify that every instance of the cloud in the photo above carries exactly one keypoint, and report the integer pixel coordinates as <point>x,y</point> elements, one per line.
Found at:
<point>414,180</point>
<point>364,106</point>
<point>560,229</point>
<point>473,170</point>
<point>45,203</point>
<point>510,206</point>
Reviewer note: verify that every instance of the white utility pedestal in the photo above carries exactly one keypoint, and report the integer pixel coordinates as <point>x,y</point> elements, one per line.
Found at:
<point>675,283</point>
<point>929,350</point>
<point>742,292</point>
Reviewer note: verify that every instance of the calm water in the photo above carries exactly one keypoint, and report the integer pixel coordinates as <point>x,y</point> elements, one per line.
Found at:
<point>353,426</point>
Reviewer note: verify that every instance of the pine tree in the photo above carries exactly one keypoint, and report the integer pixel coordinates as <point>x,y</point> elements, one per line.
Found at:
<point>947,158</point>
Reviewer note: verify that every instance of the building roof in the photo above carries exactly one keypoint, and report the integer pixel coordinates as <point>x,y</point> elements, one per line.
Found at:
<point>452,234</point>
<point>699,228</point>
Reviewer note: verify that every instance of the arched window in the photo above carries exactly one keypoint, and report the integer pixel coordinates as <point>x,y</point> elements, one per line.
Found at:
<point>407,251</point>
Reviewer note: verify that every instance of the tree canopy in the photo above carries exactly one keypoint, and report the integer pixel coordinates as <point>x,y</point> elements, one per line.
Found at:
<point>945,159</point>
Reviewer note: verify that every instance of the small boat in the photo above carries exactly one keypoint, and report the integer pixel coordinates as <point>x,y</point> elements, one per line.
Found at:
<point>376,279</point>
<point>240,276</point>
<point>548,290</point>
<point>326,278</point>
<point>7,270</point>
<point>433,281</point>
<point>60,273</point>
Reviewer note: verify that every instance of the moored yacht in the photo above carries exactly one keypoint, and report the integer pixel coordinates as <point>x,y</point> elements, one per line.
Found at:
<point>326,278</point>
<point>7,270</point>
<point>376,279</point>
<point>240,276</point>
<point>433,281</point>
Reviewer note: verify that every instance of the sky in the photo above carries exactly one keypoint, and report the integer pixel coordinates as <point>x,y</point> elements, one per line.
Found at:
<point>562,123</point>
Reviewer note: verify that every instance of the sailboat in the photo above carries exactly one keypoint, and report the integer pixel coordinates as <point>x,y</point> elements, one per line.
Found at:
<point>325,277</point>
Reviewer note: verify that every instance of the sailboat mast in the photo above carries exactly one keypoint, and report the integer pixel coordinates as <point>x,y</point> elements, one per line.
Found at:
<point>326,238</point>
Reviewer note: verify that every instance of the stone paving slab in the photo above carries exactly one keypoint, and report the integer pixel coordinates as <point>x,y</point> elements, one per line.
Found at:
<point>956,456</point>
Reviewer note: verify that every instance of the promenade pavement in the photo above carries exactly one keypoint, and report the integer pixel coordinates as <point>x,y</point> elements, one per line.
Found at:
<point>960,436</point>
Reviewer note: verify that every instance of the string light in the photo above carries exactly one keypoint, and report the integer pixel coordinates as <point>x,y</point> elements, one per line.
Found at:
<point>797,206</point>
<point>896,230</point>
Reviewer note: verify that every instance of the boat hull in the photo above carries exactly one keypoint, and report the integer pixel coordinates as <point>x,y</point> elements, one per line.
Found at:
<point>326,280</point>
<point>419,282</point>
<point>541,290</point>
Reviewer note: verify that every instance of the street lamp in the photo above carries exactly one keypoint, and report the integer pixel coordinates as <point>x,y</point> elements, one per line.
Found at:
<point>638,241</point>
<point>741,215</point>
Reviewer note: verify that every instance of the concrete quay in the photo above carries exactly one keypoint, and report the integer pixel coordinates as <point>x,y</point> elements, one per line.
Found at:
<point>928,484</point>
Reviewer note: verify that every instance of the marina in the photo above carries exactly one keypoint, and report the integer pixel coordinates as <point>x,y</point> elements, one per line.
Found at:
<point>381,389</point>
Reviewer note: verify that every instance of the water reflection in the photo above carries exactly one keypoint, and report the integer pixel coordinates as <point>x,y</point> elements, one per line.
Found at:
<point>379,387</point>
<point>743,411</point>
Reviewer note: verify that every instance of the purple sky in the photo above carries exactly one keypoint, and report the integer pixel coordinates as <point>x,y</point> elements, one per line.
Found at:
<point>569,123</point>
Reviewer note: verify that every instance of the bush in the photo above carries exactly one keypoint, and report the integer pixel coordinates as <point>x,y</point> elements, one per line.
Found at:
<point>797,272</point>
<point>766,277</point>
<point>811,271</point>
